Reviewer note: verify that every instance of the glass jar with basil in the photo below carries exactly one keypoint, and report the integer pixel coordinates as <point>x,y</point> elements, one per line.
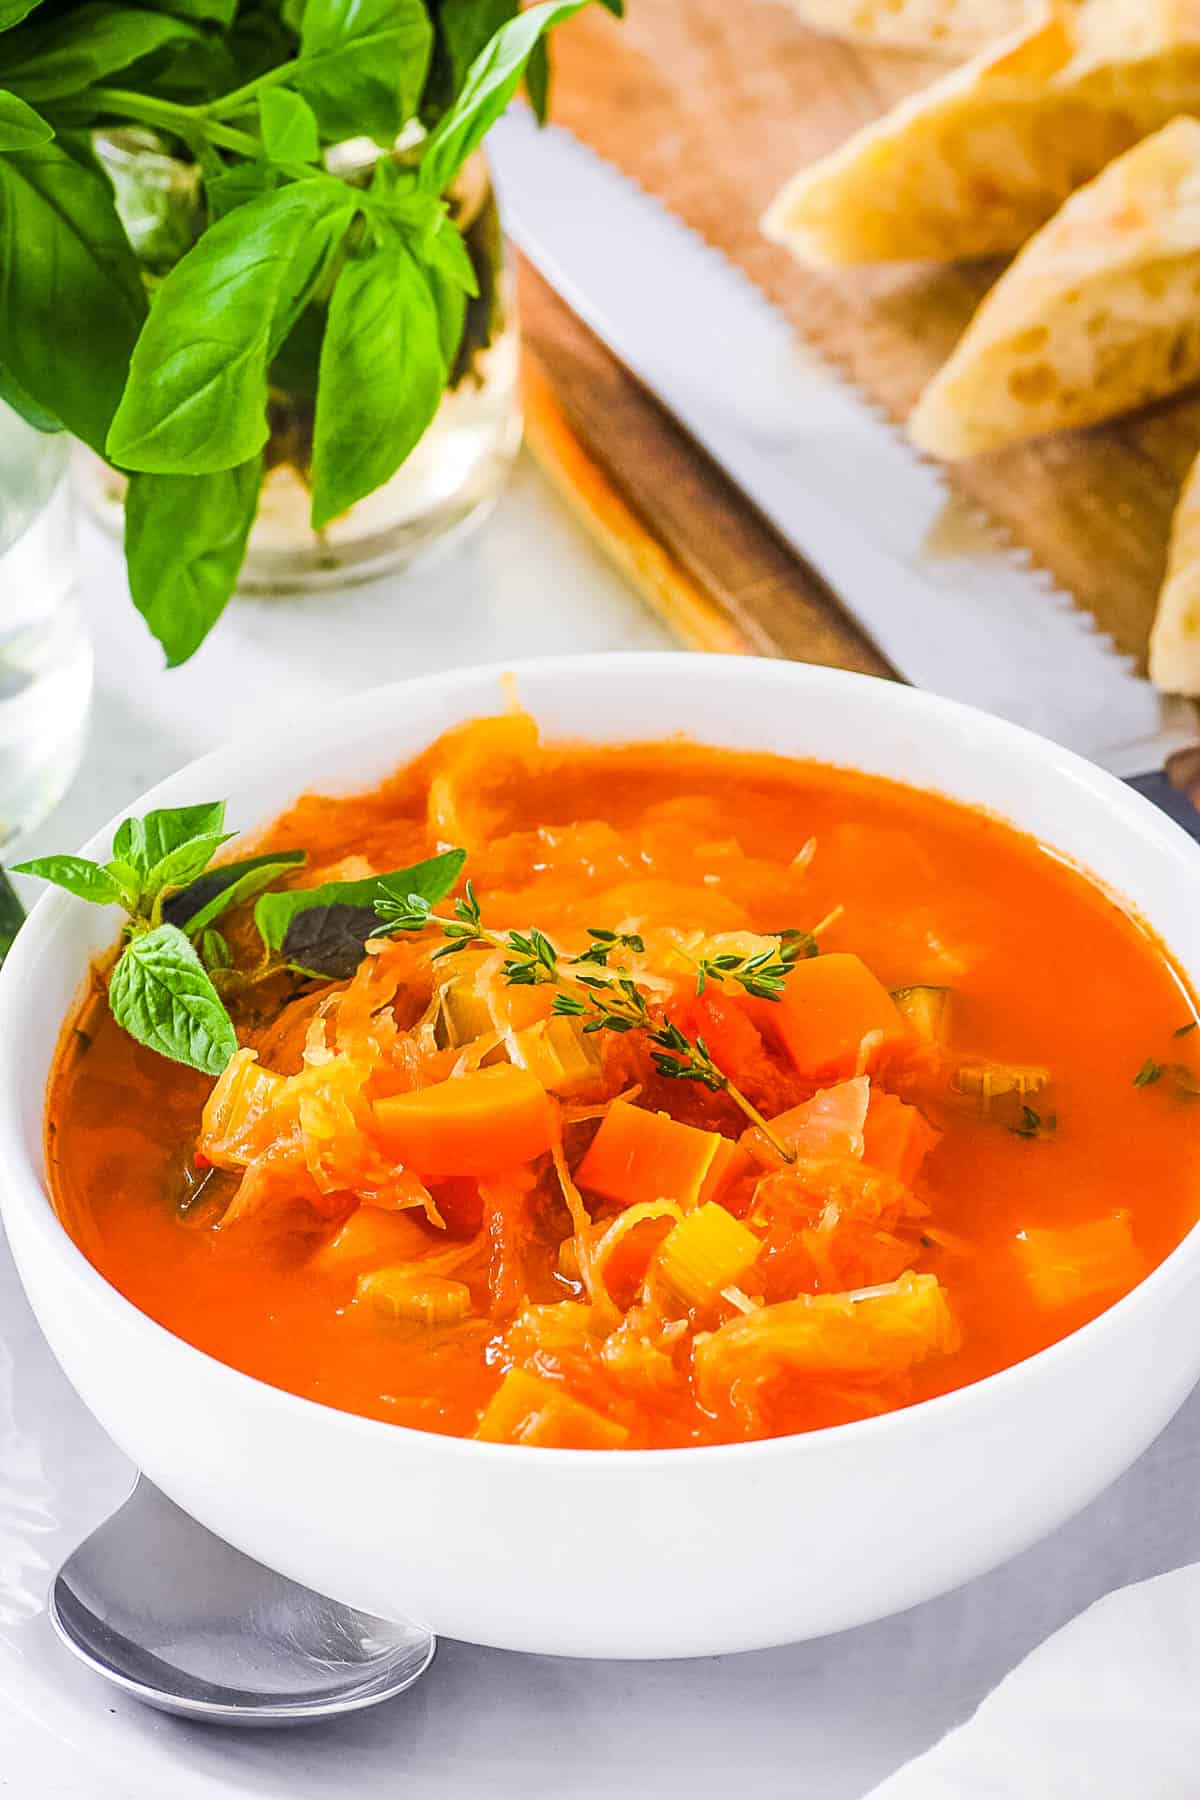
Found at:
<point>275,306</point>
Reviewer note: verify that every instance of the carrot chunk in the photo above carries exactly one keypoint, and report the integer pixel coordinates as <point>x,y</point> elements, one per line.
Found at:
<point>829,1005</point>
<point>897,1137</point>
<point>637,1156</point>
<point>475,1124</point>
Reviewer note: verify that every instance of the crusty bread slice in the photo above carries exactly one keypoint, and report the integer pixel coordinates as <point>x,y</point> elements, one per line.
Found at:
<point>974,164</point>
<point>1175,640</point>
<point>1099,313</point>
<point>951,28</point>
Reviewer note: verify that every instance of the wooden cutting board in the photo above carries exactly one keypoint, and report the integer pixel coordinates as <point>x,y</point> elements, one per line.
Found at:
<point>712,104</point>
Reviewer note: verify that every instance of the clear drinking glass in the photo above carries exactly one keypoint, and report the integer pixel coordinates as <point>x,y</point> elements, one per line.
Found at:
<point>45,657</point>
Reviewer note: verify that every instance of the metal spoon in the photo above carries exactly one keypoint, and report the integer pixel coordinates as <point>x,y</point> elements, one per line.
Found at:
<point>179,1619</point>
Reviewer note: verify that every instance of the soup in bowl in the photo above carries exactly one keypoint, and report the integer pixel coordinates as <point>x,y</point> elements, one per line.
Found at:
<point>692,1156</point>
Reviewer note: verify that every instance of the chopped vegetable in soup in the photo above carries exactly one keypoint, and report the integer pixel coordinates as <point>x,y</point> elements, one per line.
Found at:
<point>718,1097</point>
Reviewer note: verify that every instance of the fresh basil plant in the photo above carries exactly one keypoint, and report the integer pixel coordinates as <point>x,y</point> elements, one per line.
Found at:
<point>372,282</point>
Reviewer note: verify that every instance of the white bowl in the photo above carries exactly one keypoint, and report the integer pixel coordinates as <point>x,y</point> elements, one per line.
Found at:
<point>639,1553</point>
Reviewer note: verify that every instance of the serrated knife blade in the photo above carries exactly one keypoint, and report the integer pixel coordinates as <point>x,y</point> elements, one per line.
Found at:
<point>837,481</point>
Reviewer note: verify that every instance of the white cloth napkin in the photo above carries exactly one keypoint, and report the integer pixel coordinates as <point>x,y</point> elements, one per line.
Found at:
<point>1108,1708</point>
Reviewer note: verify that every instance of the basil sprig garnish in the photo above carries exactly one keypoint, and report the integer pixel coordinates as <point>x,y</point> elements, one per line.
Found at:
<point>166,986</point>
<point>160,990</point>
<point>323,930</point>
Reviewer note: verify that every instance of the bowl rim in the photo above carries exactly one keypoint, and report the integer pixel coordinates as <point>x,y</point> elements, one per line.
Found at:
<point>1131,813</point>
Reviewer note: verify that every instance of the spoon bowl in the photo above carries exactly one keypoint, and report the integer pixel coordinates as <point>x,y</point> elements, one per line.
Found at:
<point>182,1621</point>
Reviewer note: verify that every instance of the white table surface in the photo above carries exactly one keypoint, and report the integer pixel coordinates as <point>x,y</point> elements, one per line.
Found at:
<point>822,1720</point>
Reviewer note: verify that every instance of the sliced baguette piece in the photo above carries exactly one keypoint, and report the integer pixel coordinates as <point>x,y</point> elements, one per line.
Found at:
<point>1175,639</point>
<point>975,163</point>
<point>1100,313</point>
<point>950,28</point>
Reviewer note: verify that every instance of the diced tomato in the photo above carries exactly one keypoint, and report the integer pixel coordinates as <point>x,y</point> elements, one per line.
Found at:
<point>735,1042</point>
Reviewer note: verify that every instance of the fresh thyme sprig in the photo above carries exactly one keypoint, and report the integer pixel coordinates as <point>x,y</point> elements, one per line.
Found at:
<point>762,975</point>
<point>1034,1124</point>
<point>612,1001</point>
<point>533,960</point>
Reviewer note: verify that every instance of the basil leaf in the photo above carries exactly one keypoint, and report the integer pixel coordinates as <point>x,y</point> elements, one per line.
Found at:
<point>288,127</point>
<point>363,64</point>
<point>464,28</point>
<point>185,538</point>
<point>323,930</point>
<point>451,277</point>
<point>20,126</point>
<point>195,402</point>
<point>50,62</point>
<point>14,395</point>
<point>215,952</point>
<point>13,11</point>
<point>382,376</point>
<point>86,880</point>
<point>183,864</point>
<point>240,182</point>
<point>161,994</point>
<point>329,940</point>
<point>12,916</point>
<point>142,843</point>
<point>205,899</point>
<point>73,297</point>
<point>537,81</point>
<point>491,82</point>
<point>209,12</point>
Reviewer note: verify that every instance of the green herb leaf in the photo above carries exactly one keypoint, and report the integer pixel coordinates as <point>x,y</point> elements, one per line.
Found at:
<point>20,127</point>
<point>212,12</point>
<point>1149,1073</point>
<point>240,182</point>
<point>1034,1124</point>
<point>1183,1030</point>
<point>537,80</point>
<point>452,281</point>
<point>215,952</point>
<point>14,395</point>
<point>161,994</point>
<point>288,126</point>
<point>185,539</point>
<point>183,864</point>
<point>195,907</point>
<point>492,81</point>
<point>73,296</point>
<point>196,398</point>
<point>12,916</point>
<point>85,879</point>
<point>323,929</point>
<point>13,11</point>
<point>381,380</point>
<point>53,61</point>
<point>143,843</point>
<point>464,28</point>
<point>363,64</point>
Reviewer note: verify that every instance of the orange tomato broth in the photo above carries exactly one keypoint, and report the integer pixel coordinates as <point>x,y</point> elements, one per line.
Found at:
<point>1012,1240</point>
